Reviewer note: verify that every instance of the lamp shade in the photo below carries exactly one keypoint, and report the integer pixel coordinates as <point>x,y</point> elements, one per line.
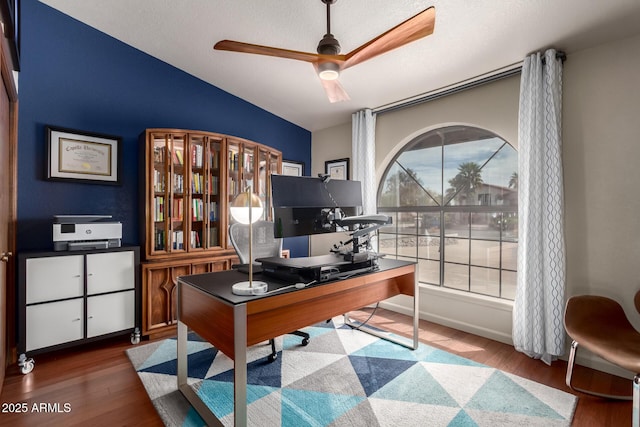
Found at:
<point>246,208</point>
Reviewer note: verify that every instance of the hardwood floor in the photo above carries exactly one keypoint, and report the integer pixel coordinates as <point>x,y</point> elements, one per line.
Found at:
<point>100,387</point>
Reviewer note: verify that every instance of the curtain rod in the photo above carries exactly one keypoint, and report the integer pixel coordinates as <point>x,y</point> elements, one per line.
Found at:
<point>480,80</point>
<point>489,77</point>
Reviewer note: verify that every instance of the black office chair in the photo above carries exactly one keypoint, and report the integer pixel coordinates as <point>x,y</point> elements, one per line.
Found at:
<point>265,245</point>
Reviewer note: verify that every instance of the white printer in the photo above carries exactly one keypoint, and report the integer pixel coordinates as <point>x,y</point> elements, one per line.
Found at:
<point>85,232</point>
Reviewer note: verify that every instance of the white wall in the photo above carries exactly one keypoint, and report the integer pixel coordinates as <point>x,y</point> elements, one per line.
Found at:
<point>601,158</point>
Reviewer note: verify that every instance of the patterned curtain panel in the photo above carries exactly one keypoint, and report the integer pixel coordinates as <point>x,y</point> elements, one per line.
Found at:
<point>363,133</point>
<point>540,296</point>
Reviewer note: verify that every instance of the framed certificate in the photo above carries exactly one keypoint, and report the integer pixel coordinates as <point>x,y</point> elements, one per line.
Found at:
<point>291,167</point>
<point>337,169</point>
<point>83,156</point>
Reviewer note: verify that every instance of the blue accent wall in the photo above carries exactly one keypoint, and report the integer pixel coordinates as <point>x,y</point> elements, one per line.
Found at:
<point>76,77</point>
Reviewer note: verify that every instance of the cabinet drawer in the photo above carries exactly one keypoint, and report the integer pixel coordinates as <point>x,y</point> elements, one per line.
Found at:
<point>53,278</point>
<point>110,271</point>
<point>110,313</point>
<point>54,323</point>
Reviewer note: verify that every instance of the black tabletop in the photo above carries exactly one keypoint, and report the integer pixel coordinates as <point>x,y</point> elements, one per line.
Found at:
<point>219,283</point>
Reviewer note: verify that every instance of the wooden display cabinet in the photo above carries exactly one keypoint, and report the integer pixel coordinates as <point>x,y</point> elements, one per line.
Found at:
<point>190,177</point>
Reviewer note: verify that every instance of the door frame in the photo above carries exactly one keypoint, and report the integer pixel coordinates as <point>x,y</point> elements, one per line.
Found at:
<point>9,346</point>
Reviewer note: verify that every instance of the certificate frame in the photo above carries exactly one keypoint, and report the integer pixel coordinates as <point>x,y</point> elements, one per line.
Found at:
<point>79,156</point>
<point>292,168</point>
<point>337,169</point>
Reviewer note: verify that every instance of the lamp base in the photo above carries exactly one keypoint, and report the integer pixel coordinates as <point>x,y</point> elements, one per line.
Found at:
<point>250,288</point>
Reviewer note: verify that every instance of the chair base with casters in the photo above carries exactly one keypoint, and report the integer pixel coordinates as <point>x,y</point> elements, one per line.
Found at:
<point>274,354</point>
<point>599,324</point>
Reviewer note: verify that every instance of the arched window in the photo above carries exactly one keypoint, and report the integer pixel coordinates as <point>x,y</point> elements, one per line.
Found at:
<point>453,195</point>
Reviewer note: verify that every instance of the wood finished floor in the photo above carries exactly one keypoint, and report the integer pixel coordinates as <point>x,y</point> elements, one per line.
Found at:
<point>102,388</point>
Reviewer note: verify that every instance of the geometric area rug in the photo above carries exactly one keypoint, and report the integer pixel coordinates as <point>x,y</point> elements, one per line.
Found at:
<point>345,377</point>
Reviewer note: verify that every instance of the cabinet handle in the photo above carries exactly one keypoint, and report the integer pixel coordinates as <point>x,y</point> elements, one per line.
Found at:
<point>77,275</point>
<point>75,320</point>
<point>90,317</point>
<point>5,256</point>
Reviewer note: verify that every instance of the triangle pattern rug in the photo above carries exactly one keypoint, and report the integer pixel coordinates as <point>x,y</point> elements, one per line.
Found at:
<point>345,377</point>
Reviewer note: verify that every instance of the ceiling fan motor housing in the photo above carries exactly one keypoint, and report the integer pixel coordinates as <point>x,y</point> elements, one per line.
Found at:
<point>328,45</point>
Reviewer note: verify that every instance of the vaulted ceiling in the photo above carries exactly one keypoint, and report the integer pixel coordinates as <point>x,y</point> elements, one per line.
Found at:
<point>471,38</point>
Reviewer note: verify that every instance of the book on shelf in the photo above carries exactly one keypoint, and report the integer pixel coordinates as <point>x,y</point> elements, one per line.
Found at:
<point>158,181</point>
<point>214,159</point>
<point>178,183</point>
<point>213,211</point>
<point>177,211</point>
<point>158,154</point>
<point>158,211</point>
<point>196,156</point>
<point>213,237</point>
<point>178,158</point>
<point>195,239</point>
<point>196,210</point>
<point>178,239</point>
<point>159,240</point>
<point>213,184</point>
<point>197,180</point>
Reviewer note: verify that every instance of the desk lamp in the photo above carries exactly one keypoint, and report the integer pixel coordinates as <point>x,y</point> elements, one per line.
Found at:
<point>246,208</point>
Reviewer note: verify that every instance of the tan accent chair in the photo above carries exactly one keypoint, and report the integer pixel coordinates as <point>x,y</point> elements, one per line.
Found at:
<point>600,325</point>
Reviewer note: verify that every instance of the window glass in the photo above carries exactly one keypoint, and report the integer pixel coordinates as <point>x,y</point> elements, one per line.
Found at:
<point>452,193</point>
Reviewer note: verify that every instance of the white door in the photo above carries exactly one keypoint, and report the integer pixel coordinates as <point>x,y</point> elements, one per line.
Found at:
<point>110,271</point>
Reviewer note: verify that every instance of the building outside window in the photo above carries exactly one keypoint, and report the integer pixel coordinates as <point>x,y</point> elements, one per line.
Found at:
<point>453,195</point>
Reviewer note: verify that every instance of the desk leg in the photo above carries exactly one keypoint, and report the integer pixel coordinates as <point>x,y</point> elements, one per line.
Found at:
<point>240,364</point>
<point>183,386</point>
<point>412,344</point>
<point>416,310</point>
<point>182,354</point>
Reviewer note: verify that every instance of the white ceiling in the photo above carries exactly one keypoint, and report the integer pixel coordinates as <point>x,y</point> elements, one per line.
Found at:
<point>471,38</point>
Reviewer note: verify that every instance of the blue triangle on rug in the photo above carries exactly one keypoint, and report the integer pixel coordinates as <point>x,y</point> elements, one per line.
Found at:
<point>301,406</point>
<point>259,372</point>
<point>198,364</point>
<point>502,394</point>
<point>375,372</point>
<point>345,377</point>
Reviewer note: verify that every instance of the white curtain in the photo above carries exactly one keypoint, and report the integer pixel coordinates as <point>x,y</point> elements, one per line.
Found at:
<point>363,149</point>
<point>540,295</point>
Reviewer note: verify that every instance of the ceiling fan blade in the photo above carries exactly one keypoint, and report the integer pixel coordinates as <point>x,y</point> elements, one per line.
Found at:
<point>234,46</point>
<point>417,27</point>
<point>335,91</point>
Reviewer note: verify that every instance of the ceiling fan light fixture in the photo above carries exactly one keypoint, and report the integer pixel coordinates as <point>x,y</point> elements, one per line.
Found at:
<point>328,71</point>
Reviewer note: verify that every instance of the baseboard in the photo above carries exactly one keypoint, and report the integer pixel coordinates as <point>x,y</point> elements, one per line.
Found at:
<point>450,323</point>
<point>482,321</point>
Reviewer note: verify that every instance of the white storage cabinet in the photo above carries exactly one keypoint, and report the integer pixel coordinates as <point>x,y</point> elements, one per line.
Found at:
<point>69,298</point>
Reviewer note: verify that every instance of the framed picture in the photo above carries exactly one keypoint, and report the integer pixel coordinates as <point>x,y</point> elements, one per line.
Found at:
<point>293,168</point>
<point>337,169</point>
<point>83,156</point>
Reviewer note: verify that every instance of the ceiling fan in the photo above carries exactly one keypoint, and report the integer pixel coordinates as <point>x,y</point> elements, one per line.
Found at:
<point>328,62</point>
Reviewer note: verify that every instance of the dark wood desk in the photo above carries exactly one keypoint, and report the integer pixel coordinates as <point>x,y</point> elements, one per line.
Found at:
<point>231,323</point>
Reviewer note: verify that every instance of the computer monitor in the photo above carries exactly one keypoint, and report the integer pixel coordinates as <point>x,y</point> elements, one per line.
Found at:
<point>304,205</point>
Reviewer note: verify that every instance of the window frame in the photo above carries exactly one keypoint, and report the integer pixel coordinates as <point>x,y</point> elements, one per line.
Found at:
<point>442,210</point>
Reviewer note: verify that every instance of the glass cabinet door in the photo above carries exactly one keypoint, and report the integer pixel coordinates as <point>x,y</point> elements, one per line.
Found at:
<point>177,196</point>
<point>248,168</point>
<point>197,191</point>
<point>233,169</point>
<point>159,189</point>
<point>212,193</point>
<point>267,164</point>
